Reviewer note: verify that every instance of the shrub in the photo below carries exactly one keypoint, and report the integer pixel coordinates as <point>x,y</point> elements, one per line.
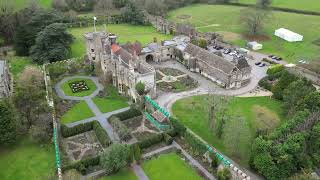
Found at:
<point>101,134</point>
<point>264,82</point>
<point>269,61</point>
<point>136,152</point>
<point>82,165</point>
<point>78,129</point>
<point>275,69</point>
<point>224,174</point>
<point>215,161</point>
<point>168,139</point>
<point>196,144</point>
<point>179,127</point>
<point>128,114</point>
<point>120,128</point>
<point>39,134</point>
<point>151,140</point>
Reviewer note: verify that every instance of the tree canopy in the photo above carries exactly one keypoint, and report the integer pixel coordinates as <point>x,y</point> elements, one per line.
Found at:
<point>7,123</point>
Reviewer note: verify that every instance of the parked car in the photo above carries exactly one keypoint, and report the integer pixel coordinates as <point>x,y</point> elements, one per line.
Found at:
<point>257,63</point>
<point>262,65</point>
<point>219,48</point>
<point>270,56</point>
<point>278,58</point>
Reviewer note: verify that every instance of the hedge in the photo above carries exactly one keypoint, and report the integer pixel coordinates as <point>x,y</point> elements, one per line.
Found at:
<point>275,69</point>
<point>264,82</point>
<point>167,138</point>
<point>101,134</point>
<point>178,126</point>
<point>128,114</point>
<point>151,140</point>
<point>120,128</point>
<point>82,165</point>
<point>78,129</point>
<point>195,143</point>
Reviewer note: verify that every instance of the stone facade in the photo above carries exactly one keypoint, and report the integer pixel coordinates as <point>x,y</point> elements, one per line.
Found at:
<point>5,81</point>
<point>223,72</point>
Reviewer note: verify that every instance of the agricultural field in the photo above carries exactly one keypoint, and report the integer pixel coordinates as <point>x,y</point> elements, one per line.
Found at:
<point>27,160</point>
<point>257,112</point>
<point>308,5</point>
<point>226,20</point>
<point>125,32</point>
<point>78,112</point>
<point>169,166</point>
<point>20,4</point>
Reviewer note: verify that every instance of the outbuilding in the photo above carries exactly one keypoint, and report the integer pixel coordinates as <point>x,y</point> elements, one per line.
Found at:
<point>254,45</point>
<point>288,35</point>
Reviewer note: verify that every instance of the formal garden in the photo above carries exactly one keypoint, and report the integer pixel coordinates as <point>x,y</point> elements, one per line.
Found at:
<point>173,80</point>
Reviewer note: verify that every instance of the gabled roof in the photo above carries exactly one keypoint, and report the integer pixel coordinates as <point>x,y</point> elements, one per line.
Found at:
<point>210,58</point>
<point>133,48</point>
<point>242,63</point>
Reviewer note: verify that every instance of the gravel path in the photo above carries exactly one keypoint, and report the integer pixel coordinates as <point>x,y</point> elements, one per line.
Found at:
<point>139,172</point>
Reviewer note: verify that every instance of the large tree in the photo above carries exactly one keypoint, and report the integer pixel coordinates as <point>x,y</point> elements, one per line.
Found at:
<point>52,44</point>
<point>7,123</point>
<point>254,19</point>
<point>133,14</point>
<point>104,7</point>
<point>115,157</point>
<point>7,19</point>
<point>156,7</point>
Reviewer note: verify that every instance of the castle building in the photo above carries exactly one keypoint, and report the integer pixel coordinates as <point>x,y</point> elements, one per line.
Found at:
<point>5,81</point>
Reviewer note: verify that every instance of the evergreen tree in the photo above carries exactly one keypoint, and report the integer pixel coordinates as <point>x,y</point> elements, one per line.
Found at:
<point>7,123</point>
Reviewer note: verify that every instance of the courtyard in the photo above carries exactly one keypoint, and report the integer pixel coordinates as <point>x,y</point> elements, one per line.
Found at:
<point>79,87</point>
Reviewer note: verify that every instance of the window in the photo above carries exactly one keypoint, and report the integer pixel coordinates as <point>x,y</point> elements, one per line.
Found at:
<point>93,58</point>
<point>168,54</point>
<point>92,50</point>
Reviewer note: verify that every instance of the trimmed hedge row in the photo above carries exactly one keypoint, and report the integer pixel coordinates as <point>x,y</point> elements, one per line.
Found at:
<point>151,140</point>
<point>101,134</point>
<point>131,113</point>
<point>120,128</point>
<point>179,128</point>
<point>82,165</point>
<point>78,129</point>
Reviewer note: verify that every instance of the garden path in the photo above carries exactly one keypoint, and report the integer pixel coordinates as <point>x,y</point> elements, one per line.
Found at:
<point>138,171</point>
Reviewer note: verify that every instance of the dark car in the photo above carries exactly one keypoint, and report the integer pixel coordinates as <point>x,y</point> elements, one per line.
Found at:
<point>257,63</point>
<point>274,57</point>
<point>270,56</point>
<point>262,65</point>
<point>278,58</point>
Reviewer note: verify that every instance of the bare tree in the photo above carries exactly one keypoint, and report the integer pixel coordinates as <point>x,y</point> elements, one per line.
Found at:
<point>254,19</point>
<point>104,7</point>
<point>7,19</point>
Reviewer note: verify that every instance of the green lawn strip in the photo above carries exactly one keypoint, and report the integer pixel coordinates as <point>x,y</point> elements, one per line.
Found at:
<point>18,64</point>
<point>123,174</point>
<point>109,104</point>
<point>27,160</point>
<point>125,32</point>
<point>78,112</point>
<point>193,113</point>
<point>309,5</point>
<point>20,4</point>
<point>169,167</point>
<point>214,17</point>
<point>68,92</point>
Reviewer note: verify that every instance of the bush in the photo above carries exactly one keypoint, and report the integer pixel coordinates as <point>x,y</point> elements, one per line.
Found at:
<point>39,134</point>
<point>131,113</point>
<point>264,82</point>
<point>179,127</point>
<point>151,140</point>
<point>224,174</point>
<point>82,165</point>
<point>120,128</point>
<point>275,69</point>
<point>168,139</point>
<point>269,61</point>
<point>198,147</point>
<point>101,134</point>
<point>78,129</point>
<point>136,151</point>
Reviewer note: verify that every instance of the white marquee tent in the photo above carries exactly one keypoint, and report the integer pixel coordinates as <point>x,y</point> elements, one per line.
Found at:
<point>288,35</point>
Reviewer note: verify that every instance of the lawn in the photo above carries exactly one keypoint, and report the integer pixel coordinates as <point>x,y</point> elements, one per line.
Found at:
<point>123,174</point>
<point>309,5</point>
<point>111,102</point>
<point>18,64</point>
<point>78,112</point>
<point>68,92</point>
<point>27,160</point>
<point>20,4</point>
<point>257,112</point>
<point>125,32</point>
<point>226,19</point>
<point>169,167</point>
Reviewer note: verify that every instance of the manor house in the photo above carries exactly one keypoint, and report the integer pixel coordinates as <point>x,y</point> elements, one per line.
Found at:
<point>130,63</point>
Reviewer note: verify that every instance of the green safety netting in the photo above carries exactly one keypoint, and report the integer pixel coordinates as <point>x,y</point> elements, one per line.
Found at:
<point>154,104</point>
<point>219,156</point>
<point>56,148</point>
<point>155,123</point>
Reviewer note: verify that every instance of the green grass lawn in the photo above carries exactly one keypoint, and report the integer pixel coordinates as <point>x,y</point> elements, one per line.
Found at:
<point>258,112</point>
<point>123,174</point>
<point>112,101</point>
<point>68,92</point>
<point>169,167</point>
<point>18,64</point>
<point>227,19</point>
<point>26,160</point>
<point>20,4</point>
<point>78,112</point>
<point>125,33</point>
<point>309,5</point>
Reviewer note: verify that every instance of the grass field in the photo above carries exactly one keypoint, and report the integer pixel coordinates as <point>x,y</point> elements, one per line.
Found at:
<point>68,92</point>
<point>258,112</point>
<point>309,5</point>
<point>18,64</point>
<point>125,33</point>
<point>223,18</point>
<point>78,112</point>
<point>123,174</point>
<point>169,167</point>
<point>27,160</point>
<point>20,4</point>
